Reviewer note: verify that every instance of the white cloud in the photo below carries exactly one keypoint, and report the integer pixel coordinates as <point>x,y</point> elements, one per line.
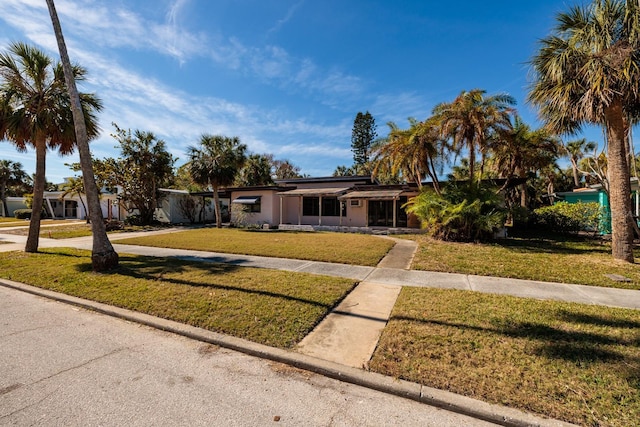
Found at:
<point>280,23</point>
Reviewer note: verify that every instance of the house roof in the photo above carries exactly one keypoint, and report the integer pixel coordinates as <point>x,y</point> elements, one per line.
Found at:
<point>372,194</point>
<point>327,191</point>
<point>326,179</point>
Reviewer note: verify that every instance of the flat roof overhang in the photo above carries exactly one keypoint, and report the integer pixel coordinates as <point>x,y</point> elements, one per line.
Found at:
<point>372,195</point>
<point>314,192</point>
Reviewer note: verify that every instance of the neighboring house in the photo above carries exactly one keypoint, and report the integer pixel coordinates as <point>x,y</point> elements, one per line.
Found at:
<point>14,203</point>
<point>70,207</point>
<point>595,193</point>
<point>183,207</point>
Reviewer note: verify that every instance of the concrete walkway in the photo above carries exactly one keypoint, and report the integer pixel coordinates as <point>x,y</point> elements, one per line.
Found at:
<point>350,333</point>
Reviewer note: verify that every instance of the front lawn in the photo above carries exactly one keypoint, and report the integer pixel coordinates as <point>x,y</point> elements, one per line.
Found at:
<point>271,307</point>
<point>573,362</point>
<point>354,249</point>
<point>566,260</point>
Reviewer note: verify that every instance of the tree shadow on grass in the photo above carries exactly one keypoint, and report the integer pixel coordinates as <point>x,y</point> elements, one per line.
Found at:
<point>555,342</point>
<point>156,269</point>
<point>572,246</point>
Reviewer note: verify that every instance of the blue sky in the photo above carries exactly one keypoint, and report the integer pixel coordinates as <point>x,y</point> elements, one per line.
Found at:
<point>286,76</point>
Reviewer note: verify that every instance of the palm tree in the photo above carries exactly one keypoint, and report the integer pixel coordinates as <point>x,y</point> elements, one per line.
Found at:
<point>103,256</point>
<point>10,173</point>
<point>75,186</point>
<point>519,150</point>
<point>469,120</point>
<point>588,71</point>
<point>415,152</point>
<point>576,150</point>
<point>40,114</point>
<point>216,163</point>
<point>256,171</point>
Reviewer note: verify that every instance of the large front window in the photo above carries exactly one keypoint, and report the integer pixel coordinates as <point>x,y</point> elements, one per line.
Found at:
<point>330,206</point>
<point>310,206</point>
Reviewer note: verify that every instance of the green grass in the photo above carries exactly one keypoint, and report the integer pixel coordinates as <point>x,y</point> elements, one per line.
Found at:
<point>577,363</point>
<point>571,260</point>
<point>11,221</point>
<point>271,307</point>
<point>354,249</point>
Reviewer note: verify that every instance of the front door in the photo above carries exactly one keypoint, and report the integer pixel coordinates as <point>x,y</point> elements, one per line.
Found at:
<point>381,213</point>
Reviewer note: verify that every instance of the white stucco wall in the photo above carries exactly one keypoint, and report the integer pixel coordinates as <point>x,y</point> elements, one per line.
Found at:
<point>269,208</point>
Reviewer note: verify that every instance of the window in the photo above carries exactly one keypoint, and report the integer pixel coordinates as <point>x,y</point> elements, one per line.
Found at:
<point>310,206</point>
<point>331,207</point>
<point>249,203</point>
<point>254,208</point>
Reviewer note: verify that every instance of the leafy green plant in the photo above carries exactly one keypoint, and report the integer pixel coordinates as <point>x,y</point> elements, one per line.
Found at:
<point>566,217</point>
<point>460,213</point>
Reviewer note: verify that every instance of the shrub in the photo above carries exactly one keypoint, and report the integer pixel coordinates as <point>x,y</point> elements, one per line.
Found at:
<point>460,212</point>
<point>22,213</point>
<point>568,218</point>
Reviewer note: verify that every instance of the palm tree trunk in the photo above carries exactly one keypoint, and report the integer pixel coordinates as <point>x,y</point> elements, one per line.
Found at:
<point>472,160</point>
<point>33,238</point>
<point>574,167</point>
<point>3,196</point>
<point>619,185</point>
<point>216,202</point>
<point>84,207</point>
<point>103,256</point>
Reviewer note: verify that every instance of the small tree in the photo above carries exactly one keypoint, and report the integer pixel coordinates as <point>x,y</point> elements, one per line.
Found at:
<point>75,186</point>
<point>284,169</point>
<point>460,212</point>
<point>13,180</point>
<point>144,168</point>
<point>362,137</point>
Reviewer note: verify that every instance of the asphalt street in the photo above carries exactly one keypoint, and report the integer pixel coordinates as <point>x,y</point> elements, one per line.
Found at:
<point>62,365</point>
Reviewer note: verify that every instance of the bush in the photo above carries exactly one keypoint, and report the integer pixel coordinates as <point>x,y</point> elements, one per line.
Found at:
<point>22,213</point>
<point>111,225</point>
<point>460,213</point>
<point>569,218</point>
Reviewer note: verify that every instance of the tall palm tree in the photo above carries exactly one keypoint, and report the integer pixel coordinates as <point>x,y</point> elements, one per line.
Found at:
<point>103,256</point>
<point>576,149</point>
<point>39,114</point>
<point>215,164</point>
<point>469,120</point>
<point>588,71</point>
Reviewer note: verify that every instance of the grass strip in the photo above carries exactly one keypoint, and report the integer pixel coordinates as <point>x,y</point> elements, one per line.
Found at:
<point>573,362</point>
<point>353,249</point>
<point>579,260</point>
<point>271,307</point>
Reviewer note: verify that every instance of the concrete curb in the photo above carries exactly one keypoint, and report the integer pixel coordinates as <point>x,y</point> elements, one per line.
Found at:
<point>450,401</point>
